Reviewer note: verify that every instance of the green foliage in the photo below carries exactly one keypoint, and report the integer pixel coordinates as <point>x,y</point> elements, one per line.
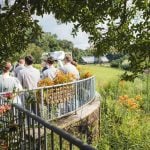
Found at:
<point>120,63</point>
<point>35,51</point>
<point>121,127</point>
<point>48,42</point>
<point>115,63</point>
<point>66,45</point>
<point>17,30</point>
<point>31,49</point>
<point>121,24</point>
<point>125,66</point>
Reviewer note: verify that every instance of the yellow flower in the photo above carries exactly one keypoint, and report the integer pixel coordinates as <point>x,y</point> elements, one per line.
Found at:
<point>45,82</point>
<point>121,83</point>
<point>138,97</point>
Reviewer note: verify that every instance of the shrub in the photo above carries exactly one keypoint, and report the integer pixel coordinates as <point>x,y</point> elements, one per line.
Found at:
<point>115,63</point>
<point>125,65</point>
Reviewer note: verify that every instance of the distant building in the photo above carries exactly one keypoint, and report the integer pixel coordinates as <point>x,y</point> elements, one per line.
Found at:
<point>93,59</point>
<point>89,59</point>
<point>103,59</point>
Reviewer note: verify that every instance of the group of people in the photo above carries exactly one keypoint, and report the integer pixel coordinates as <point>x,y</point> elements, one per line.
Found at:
<point>25,76</point>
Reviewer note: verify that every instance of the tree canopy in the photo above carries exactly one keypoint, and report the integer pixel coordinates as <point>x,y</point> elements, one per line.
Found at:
<point>122,25</point>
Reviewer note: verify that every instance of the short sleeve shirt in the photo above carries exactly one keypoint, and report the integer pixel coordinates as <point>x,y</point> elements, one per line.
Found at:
<point>9,83</point>
<point>50,73</point>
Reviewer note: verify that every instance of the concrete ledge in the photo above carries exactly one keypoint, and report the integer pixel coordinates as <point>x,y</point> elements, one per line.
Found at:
<point>82,113</point>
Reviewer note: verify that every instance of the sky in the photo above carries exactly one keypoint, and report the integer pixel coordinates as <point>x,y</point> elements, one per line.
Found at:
<point>63,31</point>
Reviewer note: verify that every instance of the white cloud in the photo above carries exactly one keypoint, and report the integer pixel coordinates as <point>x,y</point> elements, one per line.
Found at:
<point>63,31</point>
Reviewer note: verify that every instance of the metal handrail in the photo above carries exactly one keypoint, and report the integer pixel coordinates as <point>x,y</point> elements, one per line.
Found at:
<point>28,118</point>
<point>45,87</point>
<point>77,94</point>
<point>62,134</point>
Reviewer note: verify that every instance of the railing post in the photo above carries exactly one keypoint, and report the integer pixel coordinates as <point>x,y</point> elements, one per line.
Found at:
<point>76,97</point>
<point>42,102</point>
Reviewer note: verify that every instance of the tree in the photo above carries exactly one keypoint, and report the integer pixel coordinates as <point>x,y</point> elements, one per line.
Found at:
<point>65,45</point>
<point>17,29</point>
<point>35,51</point>
<point>122,24</point>
<point>48,42</point>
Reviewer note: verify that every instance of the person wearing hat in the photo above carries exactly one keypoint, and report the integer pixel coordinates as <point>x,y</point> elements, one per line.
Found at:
<point>51,71</point>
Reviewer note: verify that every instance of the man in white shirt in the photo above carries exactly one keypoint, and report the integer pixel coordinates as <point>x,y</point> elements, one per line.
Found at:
<point>69,68</point>
<point>19,67</point>
<point>51,71</point>
<point>29,76</point>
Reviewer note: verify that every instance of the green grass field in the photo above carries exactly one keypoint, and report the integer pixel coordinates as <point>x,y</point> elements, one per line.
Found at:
<point>103,74</point>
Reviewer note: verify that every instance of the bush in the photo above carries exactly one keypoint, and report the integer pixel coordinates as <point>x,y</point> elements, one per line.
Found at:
<point>125,65</point>
<point>115,63</point>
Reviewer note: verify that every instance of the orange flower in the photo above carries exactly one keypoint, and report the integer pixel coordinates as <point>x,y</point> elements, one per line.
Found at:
<point>128,102</point>
<point>45,82</point>
<point>126,96</point>
<point>134,106</point>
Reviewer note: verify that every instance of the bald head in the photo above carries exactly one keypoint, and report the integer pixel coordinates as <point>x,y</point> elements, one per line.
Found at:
<point>21,61</point>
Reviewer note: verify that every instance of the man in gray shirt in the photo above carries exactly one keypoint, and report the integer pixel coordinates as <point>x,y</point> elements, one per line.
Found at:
<point>19,67</point>
<point>29,76</point>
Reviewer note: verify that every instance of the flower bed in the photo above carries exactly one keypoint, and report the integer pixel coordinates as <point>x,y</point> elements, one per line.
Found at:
<point>59,94</point>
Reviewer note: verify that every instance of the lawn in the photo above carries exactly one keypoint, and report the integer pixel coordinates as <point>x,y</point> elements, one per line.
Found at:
<point>103,74</point>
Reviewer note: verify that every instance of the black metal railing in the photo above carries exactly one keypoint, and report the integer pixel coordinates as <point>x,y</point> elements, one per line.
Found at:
<point>28,131</point>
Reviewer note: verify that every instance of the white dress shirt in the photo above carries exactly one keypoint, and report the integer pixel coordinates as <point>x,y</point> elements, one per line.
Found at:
<point>50,72</point>
<point>29,77</point>
<point>69,68</point>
